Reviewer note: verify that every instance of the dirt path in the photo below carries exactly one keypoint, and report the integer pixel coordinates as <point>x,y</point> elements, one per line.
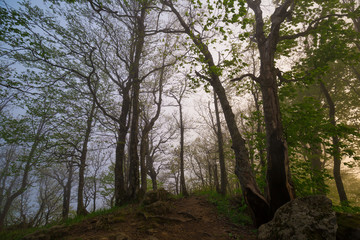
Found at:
<point>191,218</point>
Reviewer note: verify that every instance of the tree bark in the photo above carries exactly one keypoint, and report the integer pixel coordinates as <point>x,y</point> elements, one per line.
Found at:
<point>336,147</point>
<point>133,185</point>
<point>67,192</point>
<point>182,173</point>
<point>220,149</point>
<point>252,195</point>
<point>120,150</point>
<point>278,171</point>
<point>81,210</point>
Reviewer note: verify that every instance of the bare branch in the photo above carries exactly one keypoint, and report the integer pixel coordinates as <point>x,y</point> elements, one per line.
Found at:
<point>252,76</point>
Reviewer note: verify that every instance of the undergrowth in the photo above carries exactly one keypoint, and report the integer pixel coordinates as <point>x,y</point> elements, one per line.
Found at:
<point>347,209</point>
<point>228,206</point>
<point>17,234</point>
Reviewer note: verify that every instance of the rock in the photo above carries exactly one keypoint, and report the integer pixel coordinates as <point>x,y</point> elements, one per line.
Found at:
<point>305,218</point>
<point>349,226</point>
<point>155,195</point>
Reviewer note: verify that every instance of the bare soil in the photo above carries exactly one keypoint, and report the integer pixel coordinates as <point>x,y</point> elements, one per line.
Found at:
<point>192,218</point>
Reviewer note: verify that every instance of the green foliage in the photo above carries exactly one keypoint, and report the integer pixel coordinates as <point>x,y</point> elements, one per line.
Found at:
<point>97,213</point>
<point>305,125</point>
<point>346,209</point>
<point>234,212</point>
<point>17,234</point>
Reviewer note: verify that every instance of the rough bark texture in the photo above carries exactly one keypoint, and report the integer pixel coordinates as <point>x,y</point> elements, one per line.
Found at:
<point>336,147</point>
<point>278,172</point>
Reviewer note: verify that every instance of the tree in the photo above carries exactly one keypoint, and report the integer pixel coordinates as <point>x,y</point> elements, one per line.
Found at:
<point>30,135</point>
<point>220,148</point>
<point>253,197</point>
<point>178,97</point>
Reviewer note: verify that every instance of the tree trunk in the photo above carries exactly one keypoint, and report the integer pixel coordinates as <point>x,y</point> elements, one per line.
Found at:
<point>278,172</point>
<point>144,148</point>
<point>120,148</point>
<point>67,193</point>
<point>133,186</point>
<point>182,174</point>
<point>151,171</point>
<point>220,148</point>
<point>253,197</point>
<point>81,210</point>
<point>25,177</point>
<point>139,34</point>
<point>336,147</point>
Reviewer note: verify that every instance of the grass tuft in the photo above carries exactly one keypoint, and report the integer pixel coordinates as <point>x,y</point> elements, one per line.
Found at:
<point>228,206</point>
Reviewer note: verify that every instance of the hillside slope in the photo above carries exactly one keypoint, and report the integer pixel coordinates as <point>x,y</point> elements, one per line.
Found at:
<point>192,218</point>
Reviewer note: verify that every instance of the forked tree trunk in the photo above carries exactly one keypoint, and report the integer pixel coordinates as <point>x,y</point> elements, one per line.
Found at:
<point>278,171</point>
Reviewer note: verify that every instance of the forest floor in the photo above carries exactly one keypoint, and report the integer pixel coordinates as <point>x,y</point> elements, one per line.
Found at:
<point>191,218</point>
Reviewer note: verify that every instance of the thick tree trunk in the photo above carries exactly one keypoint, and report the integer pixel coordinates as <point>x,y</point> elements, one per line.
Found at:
<point>220,149</point>
<point>134,71</point>
<point>336,147</point>
<point>278,172</point>
<point>120,149</point>
<point>133,186</point>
